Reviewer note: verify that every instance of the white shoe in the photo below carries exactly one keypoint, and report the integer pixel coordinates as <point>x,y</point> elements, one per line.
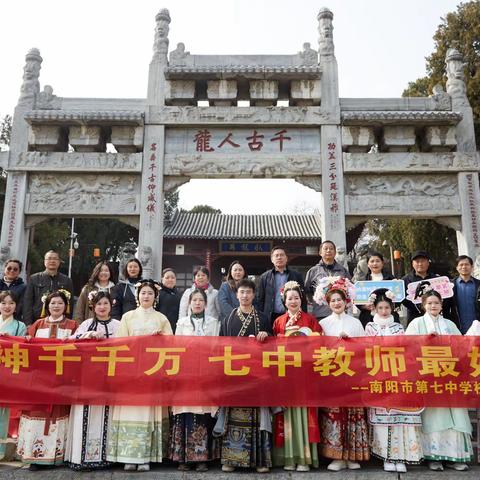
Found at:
<point>303,468</point>
<point>401,467</point>
<point>263,469</point>
<point>337,465</point>
<point>289,468</point>
<point>437,466</point>
<point>457,466</point>
<point>144,467</point>
<point>130,467</point>
<point>389,467</point>
<point>353,465</point>
<point>228,468</point>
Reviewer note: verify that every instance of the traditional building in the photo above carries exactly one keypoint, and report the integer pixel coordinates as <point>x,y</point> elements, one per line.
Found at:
<point>215,240</point>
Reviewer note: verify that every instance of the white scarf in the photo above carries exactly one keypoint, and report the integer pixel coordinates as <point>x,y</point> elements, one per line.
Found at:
<point>382,321</point>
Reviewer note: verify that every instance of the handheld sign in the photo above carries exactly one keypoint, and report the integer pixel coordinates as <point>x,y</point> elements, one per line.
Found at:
<point>363,290</point>
<point>442,285</point>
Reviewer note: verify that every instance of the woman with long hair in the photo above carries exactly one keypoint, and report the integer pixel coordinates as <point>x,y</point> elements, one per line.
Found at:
<point>227,293</point>
<point>123,294</point>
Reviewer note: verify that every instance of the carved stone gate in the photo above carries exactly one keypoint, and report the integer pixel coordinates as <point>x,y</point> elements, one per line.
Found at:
<point>411,157</point>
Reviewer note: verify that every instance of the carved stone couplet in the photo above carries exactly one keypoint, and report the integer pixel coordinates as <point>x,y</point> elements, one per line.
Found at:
<point>313,182</point>
<point>411,162</point>
<point>241,166</point>
<point>77,161</point>
<point>172,183</point>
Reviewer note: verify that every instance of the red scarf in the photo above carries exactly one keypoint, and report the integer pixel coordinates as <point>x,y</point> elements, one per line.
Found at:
<point>204,287</point>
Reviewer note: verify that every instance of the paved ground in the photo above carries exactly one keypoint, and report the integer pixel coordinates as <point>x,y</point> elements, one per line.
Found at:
<point>15,471</point>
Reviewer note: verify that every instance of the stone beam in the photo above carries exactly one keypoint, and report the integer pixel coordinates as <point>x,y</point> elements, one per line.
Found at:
<point>293,116</point>
<point>402,162</point>
<point>77,162</point>
<point>242,166</point>
<point>404,103</point>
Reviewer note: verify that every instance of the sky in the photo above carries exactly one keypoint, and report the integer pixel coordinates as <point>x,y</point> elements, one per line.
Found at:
<point>102,48</point>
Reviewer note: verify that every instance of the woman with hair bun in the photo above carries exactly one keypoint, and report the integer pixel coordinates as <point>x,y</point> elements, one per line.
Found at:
<point>447,432</point>
<point>395,435</point>
<point>344,433</point>
<point>301,432</point>
<point>43,431</point>
<point>86,442</point>
<point>135,432</point>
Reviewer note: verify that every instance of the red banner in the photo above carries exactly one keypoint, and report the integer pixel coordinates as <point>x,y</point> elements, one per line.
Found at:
<point>397,371</point>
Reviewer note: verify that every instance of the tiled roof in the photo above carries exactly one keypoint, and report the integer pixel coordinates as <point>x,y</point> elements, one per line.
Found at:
<point>218,226</point>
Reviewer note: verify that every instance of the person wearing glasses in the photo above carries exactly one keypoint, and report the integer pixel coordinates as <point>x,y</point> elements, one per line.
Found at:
<point>46,282</point>
<point>12,282</point>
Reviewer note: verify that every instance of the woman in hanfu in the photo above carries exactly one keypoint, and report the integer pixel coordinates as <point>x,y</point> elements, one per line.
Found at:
<point>43,431</point>
<point>135,433</point>
<point>395,434</point>
<point>88,426</point>
<point>343,431</point>
<point>446,431</point>
<point>191,438</point>
<point>301,432</point>
<point>9,326</point>
<point>246,431</point>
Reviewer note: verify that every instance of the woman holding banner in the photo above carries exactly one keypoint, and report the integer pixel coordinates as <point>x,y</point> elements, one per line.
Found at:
<point>86,443</point>
<point>375,263</point>
<point>344,434</point>
<point>191,440</point>
<point>9,326</point>
<point>395,435</point>
<point>301,433</point>
<point>446,431</point>
<point>43,430</point>
<point>135,432</point>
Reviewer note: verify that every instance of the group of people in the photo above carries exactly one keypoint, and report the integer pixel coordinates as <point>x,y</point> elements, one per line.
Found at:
<point>295,438</point>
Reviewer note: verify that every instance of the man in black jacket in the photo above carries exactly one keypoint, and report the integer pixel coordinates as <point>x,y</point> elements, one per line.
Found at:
<point>464,307</point>
<point>41,283</point>
<point>272,281</point>
<point>421,261</point>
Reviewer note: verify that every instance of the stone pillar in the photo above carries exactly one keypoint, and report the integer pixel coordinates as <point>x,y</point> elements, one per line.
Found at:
<point>14,238</point>
<point>468,238</point>
<point>333,195</point>
<point>150,243</point>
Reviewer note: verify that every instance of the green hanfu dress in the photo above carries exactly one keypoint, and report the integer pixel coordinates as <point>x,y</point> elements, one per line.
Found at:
<point>300,424</point>
<point>138,434</point>
<point>446,432</point>
<point>18,329</point>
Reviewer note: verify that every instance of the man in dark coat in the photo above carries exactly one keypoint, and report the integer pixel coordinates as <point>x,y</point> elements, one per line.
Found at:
<point>326,267</point>
<point>41,283</point>
<point>464,307</point>
<point>269,299</point>
<point>421,263</point>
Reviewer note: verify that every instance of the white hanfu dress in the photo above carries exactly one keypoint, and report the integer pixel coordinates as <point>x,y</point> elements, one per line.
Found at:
<point>135,433</point>
<point>395,434</point>
<point>446,431</point>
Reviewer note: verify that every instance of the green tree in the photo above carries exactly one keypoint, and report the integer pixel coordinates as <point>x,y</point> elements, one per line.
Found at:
<point>461,30</point>
<point>204,209</point>
<point>408,235</point>
<point>170,203</point>
<point>5,132</point>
